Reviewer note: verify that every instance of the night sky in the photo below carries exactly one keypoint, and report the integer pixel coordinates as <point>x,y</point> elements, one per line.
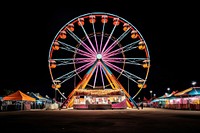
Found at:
<point>171,31</point>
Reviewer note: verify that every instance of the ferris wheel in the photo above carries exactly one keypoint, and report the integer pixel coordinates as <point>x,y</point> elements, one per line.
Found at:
<point>100,50</point>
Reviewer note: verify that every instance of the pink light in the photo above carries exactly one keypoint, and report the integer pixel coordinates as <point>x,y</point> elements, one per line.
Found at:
<point>115,60</point>
<point>81,52</point>
<point>95,78</point>
<point>94,52</point>
<point>113,67</point>
<point>105,45</point>
<point>116,42</point>
<point>102,75</point>
<point>111,46</point>
<point>84,67</point>
<point>83,44</point>
<point>101,39</point>
<point>108,39</point>
<point>91,44</point>
<point>88,48</point>
<point>95,37</point>
<point>113,53</point>
<point>84,60</point>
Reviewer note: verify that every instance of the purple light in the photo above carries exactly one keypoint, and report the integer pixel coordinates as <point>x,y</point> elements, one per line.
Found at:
<point>102,75</point>
<point>95,78</point>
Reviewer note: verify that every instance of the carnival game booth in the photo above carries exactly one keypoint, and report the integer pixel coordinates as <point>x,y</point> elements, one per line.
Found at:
<point>41,102</point>
<point>164,101</point>
<point>17,101</point>
<point>99,99</point>
<point>188,99</point>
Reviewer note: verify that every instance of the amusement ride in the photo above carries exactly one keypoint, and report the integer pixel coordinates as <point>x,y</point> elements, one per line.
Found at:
<point>101,59</point>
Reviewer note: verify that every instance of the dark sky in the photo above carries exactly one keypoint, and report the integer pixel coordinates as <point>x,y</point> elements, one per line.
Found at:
<point>171,31</point>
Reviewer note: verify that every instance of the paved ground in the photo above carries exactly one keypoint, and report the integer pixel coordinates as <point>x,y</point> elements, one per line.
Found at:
<point>101,121</point>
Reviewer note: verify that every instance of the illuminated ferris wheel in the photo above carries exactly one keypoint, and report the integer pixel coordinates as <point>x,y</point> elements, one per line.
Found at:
<point>99,50</point>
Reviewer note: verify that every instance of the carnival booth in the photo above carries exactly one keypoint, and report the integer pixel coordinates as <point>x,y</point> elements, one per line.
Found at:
<point>41,102</point>
<point>17,101</point>
<point>99,99</point>
<point>188,98</point>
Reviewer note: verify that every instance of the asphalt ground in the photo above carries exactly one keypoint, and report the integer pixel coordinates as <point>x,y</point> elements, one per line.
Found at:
<point>147,120</point>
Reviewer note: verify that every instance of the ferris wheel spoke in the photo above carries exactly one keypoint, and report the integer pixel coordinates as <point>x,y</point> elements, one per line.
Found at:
<point>109,38</point>
<point>68,61</point>
<point>102,35</point>
<point>71,74</point>
<point>81,42</point>
<point>102,77</point>
<point>122,49</point>
<point>125,73</point>
<point>95,78</point>
<point>74,49</point>
<point>61,62</point>
<point>134,61</point>
<point>83,60</point>
<point>87,36</point>
<point>95,37</point>
<point>117,41</point>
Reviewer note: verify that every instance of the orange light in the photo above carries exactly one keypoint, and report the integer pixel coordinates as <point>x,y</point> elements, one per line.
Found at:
<point>56,86</point>
<point>104,20</point>
<point>56,47</point>
<point>145,86</point>
<point>53,86</point>
<point>81,21</point>
<point>125,28</point>
<point>134,35</point>
<point>145,65</point>
<point>116,21</point>
<point>140,85</point>
<point>63,35</point>
<point>53,65</point>
<point>70,27</point>
<point>141,47</point>
<point>92,19</point>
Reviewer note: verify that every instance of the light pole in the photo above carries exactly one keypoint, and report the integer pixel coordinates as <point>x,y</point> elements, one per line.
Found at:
<point>55,94</point>
<point>63,94</point>
<point>138,99</point>
<point>194,83</point>
<point>61,99</point>
<point>154,95</point>
<point>168,89</point>
<point>151,93</point>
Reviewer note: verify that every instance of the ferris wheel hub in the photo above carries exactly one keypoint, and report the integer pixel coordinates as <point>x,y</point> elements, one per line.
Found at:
<point>99,56</point>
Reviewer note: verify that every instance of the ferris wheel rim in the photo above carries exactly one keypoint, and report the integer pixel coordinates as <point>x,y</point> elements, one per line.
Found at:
<point>109,14</point>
